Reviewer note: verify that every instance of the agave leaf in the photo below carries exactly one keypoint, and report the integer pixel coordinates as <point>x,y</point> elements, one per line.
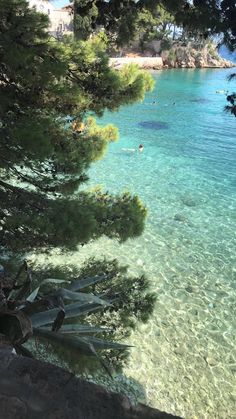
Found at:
<point>105,344</point>
<point>80,296</point>
<point>80,329</point>
<point>23,291</point>
<point>33,295</point>
<point>47,303</point>
<point>71,310</point>
<point>86,282</point>
<point>78,344</point>
<point>58,321</point>
<point>44,317</point>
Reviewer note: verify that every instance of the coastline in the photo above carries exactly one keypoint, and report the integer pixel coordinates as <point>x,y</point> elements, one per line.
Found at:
<point>157,63</point>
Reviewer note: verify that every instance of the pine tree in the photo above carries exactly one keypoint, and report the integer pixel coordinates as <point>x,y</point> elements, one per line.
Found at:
<point>47,89</point>
<point>119,17</point>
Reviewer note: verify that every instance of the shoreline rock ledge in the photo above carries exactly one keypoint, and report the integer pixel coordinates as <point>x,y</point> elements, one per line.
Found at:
<point>33,389</point>
<point>176,58</point>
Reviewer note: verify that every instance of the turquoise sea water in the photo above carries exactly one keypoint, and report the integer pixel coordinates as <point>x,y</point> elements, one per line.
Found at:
<point>185,357</point>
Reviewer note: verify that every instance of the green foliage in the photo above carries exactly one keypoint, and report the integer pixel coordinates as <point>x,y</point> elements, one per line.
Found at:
<point>166,44</point>
<point>44,153</point>
<point>131,299</point>
<point>231,98</point>
<point>212,50</point>
<point>48,141</point>
<point>172,55</point>
<point>84,18</point>
<point>231,108</point>
<point>119,18</point>
<point>25,313</point>
<point>154,24</point>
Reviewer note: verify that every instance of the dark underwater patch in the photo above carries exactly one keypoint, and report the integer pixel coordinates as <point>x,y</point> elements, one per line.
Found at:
<point>155,125</point>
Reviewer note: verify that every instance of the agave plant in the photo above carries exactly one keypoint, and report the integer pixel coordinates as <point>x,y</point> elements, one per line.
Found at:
<point>27,313</point>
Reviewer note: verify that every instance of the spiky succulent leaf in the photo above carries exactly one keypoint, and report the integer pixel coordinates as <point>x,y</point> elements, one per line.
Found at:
<point>81,329</point>
<point>71,310</point>
<point>86,282</point>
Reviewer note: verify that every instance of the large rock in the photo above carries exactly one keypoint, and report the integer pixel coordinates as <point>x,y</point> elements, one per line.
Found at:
<point>190,56</point>
<point>31,389</point>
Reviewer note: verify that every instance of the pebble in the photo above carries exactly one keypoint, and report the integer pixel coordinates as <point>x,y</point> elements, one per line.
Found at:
<point>211,361</point>
<point>189,289</point>
<point>179,351</point>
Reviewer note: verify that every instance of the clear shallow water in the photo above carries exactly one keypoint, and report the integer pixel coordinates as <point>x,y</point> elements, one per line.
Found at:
<point>185,357</point>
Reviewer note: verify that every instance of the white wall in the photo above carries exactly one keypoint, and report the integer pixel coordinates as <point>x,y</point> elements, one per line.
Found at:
<point>42,6</point>
<point>61,21</point>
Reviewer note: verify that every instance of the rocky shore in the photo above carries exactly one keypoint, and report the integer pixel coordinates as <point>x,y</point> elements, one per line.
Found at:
<point>176,57</point>
<point>190,57</point>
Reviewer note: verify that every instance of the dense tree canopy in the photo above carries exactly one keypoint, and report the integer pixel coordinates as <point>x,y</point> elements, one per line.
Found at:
<point>50,94</point>
<point>119,17</point>
<point>156,24</point>
<point>48,91</point>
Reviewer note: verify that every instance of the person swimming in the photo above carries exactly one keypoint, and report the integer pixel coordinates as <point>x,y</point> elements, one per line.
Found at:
<point>222,92</point>
<point>132,150</point>
<point>140,148</point>
<point>129,150</point>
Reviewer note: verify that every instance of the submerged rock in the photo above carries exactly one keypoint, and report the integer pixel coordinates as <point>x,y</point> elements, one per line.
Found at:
<point>189,201</point>
<point>155,125</point>
<point>181,218</point>
<point>189,289</point>
<point>211,361</point>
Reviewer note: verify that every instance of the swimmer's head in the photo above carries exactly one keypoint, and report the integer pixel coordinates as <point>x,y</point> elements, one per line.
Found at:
<point>140,148</point>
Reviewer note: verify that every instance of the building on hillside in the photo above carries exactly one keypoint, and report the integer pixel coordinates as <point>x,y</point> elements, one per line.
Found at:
<point>61,20</point>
